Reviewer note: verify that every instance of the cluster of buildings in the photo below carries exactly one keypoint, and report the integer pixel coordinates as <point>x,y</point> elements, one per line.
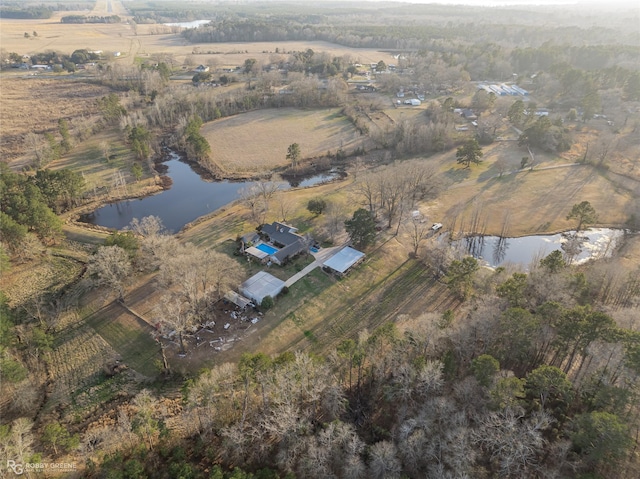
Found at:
<point>277,243</point>
<point>503,89</point>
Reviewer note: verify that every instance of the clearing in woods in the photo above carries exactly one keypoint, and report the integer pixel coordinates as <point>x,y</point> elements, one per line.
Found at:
<point>257,141</point>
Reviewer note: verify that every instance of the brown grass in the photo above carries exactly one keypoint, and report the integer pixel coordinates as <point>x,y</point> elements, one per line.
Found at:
<point>35,105</point>
<point>88,159</point>
<point>258,141</point>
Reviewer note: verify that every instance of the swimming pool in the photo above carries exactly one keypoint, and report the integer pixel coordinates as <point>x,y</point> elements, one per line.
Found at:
<point>266,248</point>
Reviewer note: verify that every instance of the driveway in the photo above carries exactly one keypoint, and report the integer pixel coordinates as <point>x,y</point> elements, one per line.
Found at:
<point>320,257</point>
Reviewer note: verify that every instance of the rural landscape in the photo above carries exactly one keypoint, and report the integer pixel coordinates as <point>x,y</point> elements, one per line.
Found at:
<point>265,239</point>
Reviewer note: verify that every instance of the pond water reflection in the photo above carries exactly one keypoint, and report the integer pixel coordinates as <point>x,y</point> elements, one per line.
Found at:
<point>188,198</point>
<point>496,251</point>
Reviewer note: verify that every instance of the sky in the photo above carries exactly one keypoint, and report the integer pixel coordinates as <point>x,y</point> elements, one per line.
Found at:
<point>603,3</point>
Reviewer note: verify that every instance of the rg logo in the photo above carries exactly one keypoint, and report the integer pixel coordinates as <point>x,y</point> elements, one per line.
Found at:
<point>17,469</point>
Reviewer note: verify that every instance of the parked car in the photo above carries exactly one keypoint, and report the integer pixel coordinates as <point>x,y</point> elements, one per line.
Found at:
<point>436,226</point>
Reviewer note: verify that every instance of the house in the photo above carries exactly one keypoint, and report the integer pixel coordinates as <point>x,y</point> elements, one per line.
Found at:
<point>342,262</point>
<point>275,243</point>
<point>469,114</point>
<point>202,69</point>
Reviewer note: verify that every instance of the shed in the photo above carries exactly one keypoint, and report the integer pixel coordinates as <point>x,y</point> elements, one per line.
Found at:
<point>260,286</point>
<point>343,260</point>
<point>237,299</point>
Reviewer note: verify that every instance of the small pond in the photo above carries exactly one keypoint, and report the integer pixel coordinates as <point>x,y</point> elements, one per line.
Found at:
<point>188,198</point>
<point>496,251</point>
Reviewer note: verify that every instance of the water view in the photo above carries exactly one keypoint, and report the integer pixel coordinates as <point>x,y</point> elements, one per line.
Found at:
<point>188,198</point>
<point>497,251</point>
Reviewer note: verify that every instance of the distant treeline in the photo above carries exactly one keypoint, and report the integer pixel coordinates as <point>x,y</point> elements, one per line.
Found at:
<point>25,13</point>
<point>90,19</point>
<point>401,36</point>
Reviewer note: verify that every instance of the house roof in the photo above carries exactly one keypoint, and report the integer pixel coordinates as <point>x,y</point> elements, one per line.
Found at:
<point>290,250</point>
<point>344,259</point>
<point>261,285</point>
<point>250,237</point>
<point>282,233</point>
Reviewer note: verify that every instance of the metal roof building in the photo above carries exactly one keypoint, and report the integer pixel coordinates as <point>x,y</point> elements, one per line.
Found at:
<point>261,285</point>
<point>343,260</point>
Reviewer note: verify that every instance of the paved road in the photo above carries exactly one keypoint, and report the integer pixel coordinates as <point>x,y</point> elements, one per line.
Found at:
<point>320,257</point>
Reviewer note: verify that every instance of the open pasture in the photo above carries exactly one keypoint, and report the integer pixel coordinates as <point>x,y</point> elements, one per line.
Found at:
<point>35,105</point>
<point>257,141</point>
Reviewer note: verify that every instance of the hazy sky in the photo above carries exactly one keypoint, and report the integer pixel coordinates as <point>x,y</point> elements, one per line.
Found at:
<point>603,3</point>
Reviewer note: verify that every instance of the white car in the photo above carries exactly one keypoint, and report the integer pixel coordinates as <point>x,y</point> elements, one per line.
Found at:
<point>436,226</point>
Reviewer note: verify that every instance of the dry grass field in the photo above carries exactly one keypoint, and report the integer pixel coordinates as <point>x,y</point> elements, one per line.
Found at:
<point>35,105</point>
<point>257,142</point>
<point>143,40</point>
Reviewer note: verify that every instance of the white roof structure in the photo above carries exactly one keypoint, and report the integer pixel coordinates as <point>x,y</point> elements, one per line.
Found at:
<point>344,259</point>
<point>261,285</point>
<point>258,253</point>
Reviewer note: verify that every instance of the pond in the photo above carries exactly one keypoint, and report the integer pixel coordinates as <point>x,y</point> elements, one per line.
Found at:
<point>188,198</point>
<point>496,251</point>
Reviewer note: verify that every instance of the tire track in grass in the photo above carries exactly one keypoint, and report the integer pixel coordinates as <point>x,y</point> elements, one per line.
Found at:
<point>375,306</point>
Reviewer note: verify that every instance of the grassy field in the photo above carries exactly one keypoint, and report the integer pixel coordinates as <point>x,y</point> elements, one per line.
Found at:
<point>258,141</point>
<point>31,279</point>
<point>89,160</point>
<point>128,336</point>
<point>34,104</point>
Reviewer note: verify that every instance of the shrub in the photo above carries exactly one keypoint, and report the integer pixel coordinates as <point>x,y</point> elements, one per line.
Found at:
<point>267,303</point>
<point>316,206</point>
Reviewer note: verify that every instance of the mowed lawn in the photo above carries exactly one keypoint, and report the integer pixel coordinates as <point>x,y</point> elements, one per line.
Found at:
<point>258,141</point>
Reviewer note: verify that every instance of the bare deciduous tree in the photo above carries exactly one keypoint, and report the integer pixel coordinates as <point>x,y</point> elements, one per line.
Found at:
<point>418,230</point>
<point>110,267</point>
<point>384,463</point>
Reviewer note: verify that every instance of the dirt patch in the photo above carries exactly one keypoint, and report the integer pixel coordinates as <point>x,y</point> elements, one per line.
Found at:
<point>227,328</point>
